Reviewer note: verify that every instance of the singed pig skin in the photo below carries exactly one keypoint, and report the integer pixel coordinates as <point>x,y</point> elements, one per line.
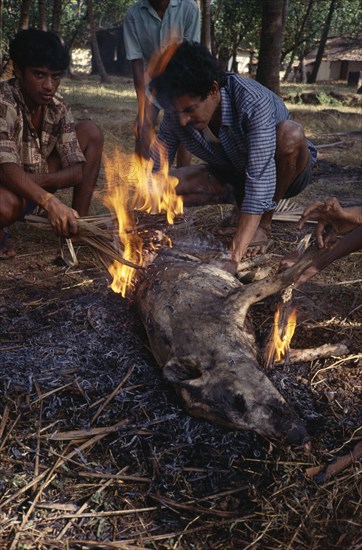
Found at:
<point>195,318</point>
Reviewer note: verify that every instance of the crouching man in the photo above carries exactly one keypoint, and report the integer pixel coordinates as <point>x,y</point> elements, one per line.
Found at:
<point>242,131</point>
<point>41,149</point>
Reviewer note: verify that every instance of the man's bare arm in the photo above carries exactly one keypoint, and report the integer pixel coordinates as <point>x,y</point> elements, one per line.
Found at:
<point>138,72</point>
<point>61,217</point>
<point>70,176</point>
<point>248,224</point>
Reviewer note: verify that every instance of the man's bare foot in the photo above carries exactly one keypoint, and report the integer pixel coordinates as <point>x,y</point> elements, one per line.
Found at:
<point>260,243</point>
<point>229,225</point>
<point>6,249</point>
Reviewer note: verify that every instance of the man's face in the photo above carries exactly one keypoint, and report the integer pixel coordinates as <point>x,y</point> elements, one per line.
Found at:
<point>38,84</point>
<point>196,112</point>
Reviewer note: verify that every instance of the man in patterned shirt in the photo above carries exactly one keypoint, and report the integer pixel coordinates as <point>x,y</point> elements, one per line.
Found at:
<point>242,131</point>
<point>41,150</point>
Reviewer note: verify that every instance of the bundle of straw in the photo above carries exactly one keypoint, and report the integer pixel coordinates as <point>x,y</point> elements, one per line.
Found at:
<point>100,234</point>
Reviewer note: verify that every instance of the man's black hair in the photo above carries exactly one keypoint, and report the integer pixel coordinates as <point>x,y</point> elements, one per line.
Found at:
<point>35,48</point>
<point>191,71</point>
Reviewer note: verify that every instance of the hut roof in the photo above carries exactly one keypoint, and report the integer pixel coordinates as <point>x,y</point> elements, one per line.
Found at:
<point>339,48</point>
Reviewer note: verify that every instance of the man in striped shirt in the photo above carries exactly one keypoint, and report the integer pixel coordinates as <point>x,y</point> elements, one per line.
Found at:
<point>242,131</point>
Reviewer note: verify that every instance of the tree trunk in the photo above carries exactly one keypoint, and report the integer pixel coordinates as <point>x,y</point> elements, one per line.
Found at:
<point>322,44</point>
<point>206,24</point>
<point>298,39</point>
<point>24,15</point>
<point>223,57</point>
<point>42,15</point>
<point>95,49</point>
<point>271,39</point>
<point>56,16</point>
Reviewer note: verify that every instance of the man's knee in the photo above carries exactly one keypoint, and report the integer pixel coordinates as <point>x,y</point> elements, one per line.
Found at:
<point>290,138</point>
<point>10,207</point>
<point>88,133</point>
<point>192,179</point>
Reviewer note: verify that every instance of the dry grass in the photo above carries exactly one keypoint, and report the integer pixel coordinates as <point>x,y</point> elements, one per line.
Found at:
<point>95,451</point>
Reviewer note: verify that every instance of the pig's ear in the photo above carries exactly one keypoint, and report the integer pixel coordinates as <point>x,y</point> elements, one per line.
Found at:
<point>180,370</point>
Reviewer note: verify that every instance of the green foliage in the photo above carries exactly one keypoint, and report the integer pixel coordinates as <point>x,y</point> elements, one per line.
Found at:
<point>9,22</point>
<point>346,21</point>
<point>326,99</point>
<point>235,23</point>
<point>74,24</point>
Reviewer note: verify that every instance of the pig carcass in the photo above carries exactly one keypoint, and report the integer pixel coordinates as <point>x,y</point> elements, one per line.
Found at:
<point>196,318</point>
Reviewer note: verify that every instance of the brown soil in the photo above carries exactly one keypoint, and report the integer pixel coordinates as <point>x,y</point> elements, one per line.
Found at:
<point>73,356</point>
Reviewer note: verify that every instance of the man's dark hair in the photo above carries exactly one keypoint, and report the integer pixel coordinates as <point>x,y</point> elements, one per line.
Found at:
<point>191,71</point>
<point>35,48</point>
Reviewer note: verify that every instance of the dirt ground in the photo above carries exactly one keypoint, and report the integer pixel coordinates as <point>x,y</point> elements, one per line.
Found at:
<point>95,450</point>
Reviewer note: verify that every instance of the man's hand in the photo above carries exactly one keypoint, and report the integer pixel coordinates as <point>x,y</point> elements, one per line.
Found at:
<point>248,226</point>
<point>144,134</point>
<point>144,127</point>
<point>331,214</point>
<point>62,218</point>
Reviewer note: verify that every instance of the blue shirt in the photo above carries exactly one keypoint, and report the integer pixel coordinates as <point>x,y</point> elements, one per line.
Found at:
<point>250,114</point>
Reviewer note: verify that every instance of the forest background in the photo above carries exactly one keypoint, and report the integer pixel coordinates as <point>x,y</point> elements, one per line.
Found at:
<point>279,32</point>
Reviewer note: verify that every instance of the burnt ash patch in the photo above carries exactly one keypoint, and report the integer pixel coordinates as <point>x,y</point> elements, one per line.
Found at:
<point>159,478</point>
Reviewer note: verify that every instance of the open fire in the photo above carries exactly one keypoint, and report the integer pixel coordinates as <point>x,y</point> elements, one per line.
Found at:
<point>282,334</point>
<point>282,341</point>
<point>131,185</point>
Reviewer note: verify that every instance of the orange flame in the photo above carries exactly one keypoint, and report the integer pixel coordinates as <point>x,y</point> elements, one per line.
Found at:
<point>283,338</point>
<point>152,193</point>
<point>157,64</point>
<point>156,192</point>
<point>118,175</point>
<point>161,58</point>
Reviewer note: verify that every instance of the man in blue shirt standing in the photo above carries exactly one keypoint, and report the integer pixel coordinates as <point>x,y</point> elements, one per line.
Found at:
<point>242,131</point>
<point>149,27</point>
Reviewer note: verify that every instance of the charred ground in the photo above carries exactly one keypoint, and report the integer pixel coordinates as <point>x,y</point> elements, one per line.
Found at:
<point>138,472</point>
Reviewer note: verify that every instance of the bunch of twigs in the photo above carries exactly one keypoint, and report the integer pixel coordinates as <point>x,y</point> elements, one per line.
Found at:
<point>100,234</point>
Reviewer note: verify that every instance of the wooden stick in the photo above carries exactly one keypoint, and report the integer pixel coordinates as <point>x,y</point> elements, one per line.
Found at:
<point>321,352</point>
<point>324,473</point>
<point>73,435</point>
<point>324,145</point>
<point>4,420</point>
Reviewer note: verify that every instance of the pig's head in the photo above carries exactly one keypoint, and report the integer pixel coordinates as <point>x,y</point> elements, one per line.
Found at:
<point>234,395</point>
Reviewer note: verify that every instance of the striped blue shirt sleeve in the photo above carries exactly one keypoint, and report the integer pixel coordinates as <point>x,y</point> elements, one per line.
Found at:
<point>260,171</point>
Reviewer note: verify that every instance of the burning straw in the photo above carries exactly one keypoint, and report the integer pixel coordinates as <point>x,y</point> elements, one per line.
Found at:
<point>117,241</point>
<point>285,321</point>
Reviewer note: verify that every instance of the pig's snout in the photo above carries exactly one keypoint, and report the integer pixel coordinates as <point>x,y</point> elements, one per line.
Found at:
<point>298,435</point>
